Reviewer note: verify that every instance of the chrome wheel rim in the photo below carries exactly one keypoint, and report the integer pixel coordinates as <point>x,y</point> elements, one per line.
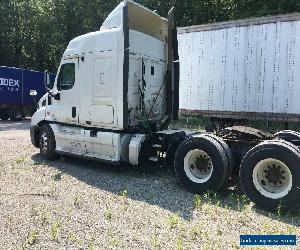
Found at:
<point>272,178</point>
<point>44,141</point>
<point>198,166</point>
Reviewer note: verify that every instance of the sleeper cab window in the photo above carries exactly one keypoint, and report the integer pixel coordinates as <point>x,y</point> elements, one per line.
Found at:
<point>66,77</point>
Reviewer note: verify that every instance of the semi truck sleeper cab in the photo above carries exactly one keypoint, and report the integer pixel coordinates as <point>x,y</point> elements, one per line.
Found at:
<point>114,95</point>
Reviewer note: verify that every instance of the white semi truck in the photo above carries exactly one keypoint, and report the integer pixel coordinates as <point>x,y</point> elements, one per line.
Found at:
<point>114,95</point>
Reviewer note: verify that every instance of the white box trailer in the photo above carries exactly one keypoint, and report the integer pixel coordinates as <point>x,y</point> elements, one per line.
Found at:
<point>244,69</point>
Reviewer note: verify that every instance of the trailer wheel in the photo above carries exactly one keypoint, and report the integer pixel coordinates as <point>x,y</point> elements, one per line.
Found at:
<point>47,142</point>
<point>201,165</point>
<point>288,135</point>
<point>270,175</point>
<point>16,115</point>
<point>4,116</point>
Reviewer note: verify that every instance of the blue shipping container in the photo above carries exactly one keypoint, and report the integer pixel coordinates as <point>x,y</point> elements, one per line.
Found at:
<point>15,85</point>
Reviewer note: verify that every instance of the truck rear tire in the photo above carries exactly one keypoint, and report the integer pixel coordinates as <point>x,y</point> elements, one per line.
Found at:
<point>201,164</point>
<point>16,115</point>
<point>288,135</point>
<point>270,173</point>
<point>47,143</point>
<point>227,151</point>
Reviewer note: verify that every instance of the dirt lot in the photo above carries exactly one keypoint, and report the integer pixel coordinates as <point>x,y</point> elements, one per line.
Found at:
<point>77,204</point>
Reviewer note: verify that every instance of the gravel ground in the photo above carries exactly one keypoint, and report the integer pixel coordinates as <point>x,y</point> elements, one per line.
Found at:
<point>77,204</point>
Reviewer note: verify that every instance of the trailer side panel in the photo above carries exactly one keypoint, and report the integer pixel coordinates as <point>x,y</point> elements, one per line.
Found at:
<point>32,80</point>
<point>249,67</point>
<point>11,86</point>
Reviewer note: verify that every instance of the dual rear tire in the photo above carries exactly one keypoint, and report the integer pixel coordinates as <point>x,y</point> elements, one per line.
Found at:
<point>203,163</point>
<point>269,172</point>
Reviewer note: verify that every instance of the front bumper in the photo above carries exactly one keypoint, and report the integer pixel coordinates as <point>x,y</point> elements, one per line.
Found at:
<point>34,135</point>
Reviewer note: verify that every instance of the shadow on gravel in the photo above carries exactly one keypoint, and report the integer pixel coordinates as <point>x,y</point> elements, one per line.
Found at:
<point>155,186</point>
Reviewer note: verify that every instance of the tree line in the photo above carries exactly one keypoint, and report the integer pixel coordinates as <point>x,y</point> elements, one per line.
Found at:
<point>34,33</point>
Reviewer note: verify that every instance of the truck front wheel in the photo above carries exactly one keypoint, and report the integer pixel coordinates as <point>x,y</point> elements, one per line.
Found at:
<point>47,142</point>
<point>270,175</point>
<point>201,165</point>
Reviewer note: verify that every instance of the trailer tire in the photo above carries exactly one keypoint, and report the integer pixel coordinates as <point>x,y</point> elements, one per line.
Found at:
<point>270,173</point>
<point>201,164</point>
<point>16,115</point>
<point>47,142</point>
<point>288,135</point>
<point>4,116</point>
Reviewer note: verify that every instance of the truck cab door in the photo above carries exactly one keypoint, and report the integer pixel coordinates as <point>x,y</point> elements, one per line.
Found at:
<point>66,92</point>
<point>102,106</point>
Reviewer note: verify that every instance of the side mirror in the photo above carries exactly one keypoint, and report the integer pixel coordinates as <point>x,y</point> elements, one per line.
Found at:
<point>47,81</point>
<point>33,92</point>
<point>57,96</point>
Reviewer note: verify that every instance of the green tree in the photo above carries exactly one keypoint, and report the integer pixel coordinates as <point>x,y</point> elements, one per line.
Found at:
<point>34,33</point>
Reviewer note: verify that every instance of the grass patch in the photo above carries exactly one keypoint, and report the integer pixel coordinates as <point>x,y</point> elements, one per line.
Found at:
<point>30,240</point>
<point>197,201</point>
<point>78,200</point>
<point>42,213</point>
<point>179,243</point>
<point>124,194</point>
<point>10,221</point>
<point>112,240</point>
<point>21,160</point>
<point>91,244</point>
<point>173,220</point>
<point>154,240</point>
<point>55,229</point>
<point>57,177</point>
<point>108,214</point>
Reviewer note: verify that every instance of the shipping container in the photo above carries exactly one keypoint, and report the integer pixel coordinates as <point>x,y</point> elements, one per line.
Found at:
<point>15,87</point>
<point>244,69</point>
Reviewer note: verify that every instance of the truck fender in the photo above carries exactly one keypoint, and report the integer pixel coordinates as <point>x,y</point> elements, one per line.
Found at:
<point>134,149</point>
<point>172,148</point>
<point>35,132</point>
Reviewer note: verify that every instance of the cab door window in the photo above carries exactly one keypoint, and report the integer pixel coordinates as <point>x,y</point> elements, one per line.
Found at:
<point>66,77</point>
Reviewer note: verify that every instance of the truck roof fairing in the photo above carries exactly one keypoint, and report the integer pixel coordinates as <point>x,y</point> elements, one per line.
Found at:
<point>140,19</point>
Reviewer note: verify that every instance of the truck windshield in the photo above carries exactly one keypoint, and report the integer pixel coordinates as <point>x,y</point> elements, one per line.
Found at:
<point>66,77</point>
